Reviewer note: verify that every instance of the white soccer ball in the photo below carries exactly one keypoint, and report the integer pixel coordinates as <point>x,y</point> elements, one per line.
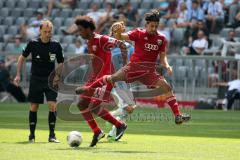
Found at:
<point>74,138</point>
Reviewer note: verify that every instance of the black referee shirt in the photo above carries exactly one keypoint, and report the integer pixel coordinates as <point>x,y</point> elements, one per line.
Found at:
<point>43,56</point>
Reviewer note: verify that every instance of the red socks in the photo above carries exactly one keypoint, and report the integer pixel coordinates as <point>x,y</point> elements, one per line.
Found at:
<point>87,115</point>
<point>105,114</point>
<point>172,102</point>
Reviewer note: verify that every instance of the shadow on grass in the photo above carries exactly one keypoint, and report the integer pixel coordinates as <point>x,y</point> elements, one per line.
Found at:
<point>98,150</point>
<point>112,141</point>
<point>25,142</point>
<point>77,148</point>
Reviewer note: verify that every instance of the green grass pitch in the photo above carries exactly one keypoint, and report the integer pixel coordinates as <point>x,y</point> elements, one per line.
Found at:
<point>210,135</point>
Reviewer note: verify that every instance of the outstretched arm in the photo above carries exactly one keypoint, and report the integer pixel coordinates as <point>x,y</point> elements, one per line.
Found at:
<point>118,31</point>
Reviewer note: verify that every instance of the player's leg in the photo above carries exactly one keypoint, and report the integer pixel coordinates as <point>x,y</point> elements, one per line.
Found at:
<point>52,117</point>
<point>51,97</point>
<point>35,97</point>
<point>87,115</point>
<point>123,98</point>
<point>33,121</point>
<point>120,75</point>
<point>106,115</point>
<point>172,102</point>
<point>120,115</point>
<point>231,96</point>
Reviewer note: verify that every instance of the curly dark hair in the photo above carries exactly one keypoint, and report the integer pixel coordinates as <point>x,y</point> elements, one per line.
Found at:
<point>152,16</point>
<point>85,22</point>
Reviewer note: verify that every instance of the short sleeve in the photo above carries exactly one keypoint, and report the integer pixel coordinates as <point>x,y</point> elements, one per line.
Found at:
<point>133,35</point>
<point>60,56</point>
<point>108,42</point>
<point>27,49</point>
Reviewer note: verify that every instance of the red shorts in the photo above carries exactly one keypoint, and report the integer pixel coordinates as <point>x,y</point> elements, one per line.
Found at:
<point>143,72</point>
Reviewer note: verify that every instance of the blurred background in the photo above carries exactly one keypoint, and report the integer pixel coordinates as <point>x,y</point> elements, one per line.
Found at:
<point>203,36</point>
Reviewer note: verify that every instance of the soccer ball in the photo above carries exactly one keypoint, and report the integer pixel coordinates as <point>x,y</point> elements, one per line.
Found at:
<point>74,138</point>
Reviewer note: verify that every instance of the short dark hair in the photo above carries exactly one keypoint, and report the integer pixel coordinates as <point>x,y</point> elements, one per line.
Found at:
<point>85,22</point>
<point>152,16</point>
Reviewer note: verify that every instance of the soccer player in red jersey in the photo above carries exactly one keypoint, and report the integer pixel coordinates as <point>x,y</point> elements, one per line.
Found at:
<point>149,44</point>
<point>99,48</point>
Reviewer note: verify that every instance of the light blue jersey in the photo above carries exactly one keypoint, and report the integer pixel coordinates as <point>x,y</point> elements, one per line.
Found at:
<point>122,95</point>
<point>117,56</point>
<point>122,90</point>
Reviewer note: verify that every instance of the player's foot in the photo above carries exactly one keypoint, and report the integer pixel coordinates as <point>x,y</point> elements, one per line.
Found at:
<point>120,131</point>
<point>53,139</point>
<point>96,138</point>
<point>81,89</point>
<point>179,119</point>
<point>31,138</point>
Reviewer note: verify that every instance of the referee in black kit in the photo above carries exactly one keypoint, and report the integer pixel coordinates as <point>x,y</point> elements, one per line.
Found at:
<point>44,51</point>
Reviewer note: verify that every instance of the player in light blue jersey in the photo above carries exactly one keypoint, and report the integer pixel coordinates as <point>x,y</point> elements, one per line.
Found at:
<point>121,93</point>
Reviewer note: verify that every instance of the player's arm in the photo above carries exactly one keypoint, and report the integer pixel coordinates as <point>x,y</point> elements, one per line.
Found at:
<point>60,60</point>
<point>122,36</point>
<point>118,31</point>
<point>58,71</point>
<point>163,56</point>
<point>20,62</point>
<point>164,63</point>
<point>59,68</point>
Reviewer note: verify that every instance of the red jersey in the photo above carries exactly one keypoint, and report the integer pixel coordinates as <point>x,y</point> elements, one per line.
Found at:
<point>147,47</point>
<point>100,46</point>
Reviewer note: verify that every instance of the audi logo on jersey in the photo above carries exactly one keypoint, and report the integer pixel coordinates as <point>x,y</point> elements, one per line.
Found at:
<point>150,47</point>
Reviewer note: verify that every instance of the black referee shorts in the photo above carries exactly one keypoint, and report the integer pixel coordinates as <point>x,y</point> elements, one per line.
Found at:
<point>38,87</point>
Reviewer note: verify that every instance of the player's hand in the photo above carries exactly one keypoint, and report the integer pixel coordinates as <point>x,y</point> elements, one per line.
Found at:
<point>117,27</point>
<point>129,109</point>
<point>56,81</point>
<point>17,80</point>
<point>169,70</point>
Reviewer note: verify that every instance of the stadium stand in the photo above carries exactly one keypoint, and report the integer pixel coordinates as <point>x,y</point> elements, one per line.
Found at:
<point>190,73</point>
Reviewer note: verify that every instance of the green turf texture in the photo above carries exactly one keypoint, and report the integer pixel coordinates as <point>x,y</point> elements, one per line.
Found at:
<point>210,135</point>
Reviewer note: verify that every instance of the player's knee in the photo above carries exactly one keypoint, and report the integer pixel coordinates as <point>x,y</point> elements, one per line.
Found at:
<point>52,109</point>
<point>34,107</point>
<point>167,88</point>
<point>52,106</point>
<point>81,105</point>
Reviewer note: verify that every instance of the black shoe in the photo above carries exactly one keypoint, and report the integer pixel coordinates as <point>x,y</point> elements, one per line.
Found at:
<point>31,138</point>
<point>53,139</point>
<point>179,119</point>
<point>96,138</point>
<point>120,132</point>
